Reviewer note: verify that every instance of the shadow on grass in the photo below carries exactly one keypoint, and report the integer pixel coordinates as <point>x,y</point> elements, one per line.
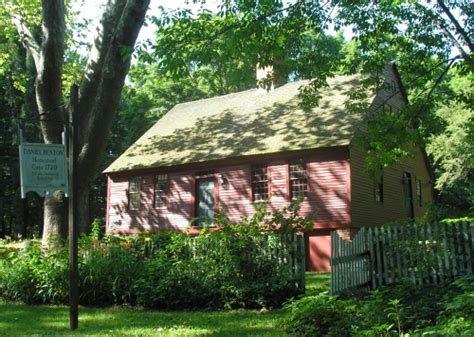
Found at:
<point>53,320</point>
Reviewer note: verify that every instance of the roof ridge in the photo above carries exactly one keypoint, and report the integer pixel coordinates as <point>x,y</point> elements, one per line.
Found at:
<point>219,96</point>
<point>238,93</point>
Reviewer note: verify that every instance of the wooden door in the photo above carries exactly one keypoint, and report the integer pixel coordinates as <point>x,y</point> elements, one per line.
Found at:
<point>205,201</point>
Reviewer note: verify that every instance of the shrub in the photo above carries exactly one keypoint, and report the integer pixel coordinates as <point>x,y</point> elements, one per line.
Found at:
<point>457,315</point>
<point>107,273</point>
<point>397,310</point>
<point>239,265</point>
<point>320,315</point>
<point>33,276</point>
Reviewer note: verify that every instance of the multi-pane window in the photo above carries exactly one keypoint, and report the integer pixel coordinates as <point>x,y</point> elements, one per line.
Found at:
<point>161,181</point>
<point>378,189</point>
<point>298,180</point>
<point>134,193</point>
<point>418,192</point>
<point>259,182</point>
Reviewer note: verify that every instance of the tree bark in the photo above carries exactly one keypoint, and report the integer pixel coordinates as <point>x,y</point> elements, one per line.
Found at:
<point>55,218</point>
<point>102,85</point>
<point>99,94</point>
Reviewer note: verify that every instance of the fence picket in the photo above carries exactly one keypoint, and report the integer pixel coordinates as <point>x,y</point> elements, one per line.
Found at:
<point>425,244</point>
<point>438,252</point>
<point>467,247</point>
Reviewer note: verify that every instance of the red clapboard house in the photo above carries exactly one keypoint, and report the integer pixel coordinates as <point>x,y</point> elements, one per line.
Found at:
<point>228,152</point>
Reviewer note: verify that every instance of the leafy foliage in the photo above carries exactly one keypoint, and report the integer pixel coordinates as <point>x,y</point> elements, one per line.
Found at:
<point>320,315</point>
<point>240,265</point>
<point>424,39</point>
<point>434,310</point>
<point>452,147</point>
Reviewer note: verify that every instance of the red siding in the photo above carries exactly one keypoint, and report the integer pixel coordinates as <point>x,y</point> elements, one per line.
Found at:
<point>327,200</point>
<point>318,251</point>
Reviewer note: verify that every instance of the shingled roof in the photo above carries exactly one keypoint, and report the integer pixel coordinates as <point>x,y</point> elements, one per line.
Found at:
<point>246,123</point>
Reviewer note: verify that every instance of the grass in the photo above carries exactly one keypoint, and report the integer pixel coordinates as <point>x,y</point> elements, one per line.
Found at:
<point>41,320</point>
<point>53,320</point>
<point>317,283</point>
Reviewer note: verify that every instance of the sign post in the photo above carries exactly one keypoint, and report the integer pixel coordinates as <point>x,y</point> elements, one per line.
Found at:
<point>44,170</point>
<point>73,232</point>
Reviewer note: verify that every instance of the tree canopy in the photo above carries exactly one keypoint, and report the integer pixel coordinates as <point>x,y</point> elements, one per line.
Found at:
<point>43,32</point>
<point>427,40</point>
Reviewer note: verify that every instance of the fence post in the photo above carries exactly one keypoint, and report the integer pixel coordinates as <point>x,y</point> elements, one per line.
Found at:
<point>333,265</point>
<point>303,262</point>
<point>371,264</point>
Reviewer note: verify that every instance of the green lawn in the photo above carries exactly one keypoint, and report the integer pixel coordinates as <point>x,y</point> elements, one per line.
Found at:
<point>19,319</point>
<point>317,283</point>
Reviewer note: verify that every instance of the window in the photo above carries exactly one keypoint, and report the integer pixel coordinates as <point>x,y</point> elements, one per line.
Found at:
<point>134,193</point>
<point>418,193</point>
<point>378,189</point>
<point>298,180</point>
<point>161,181</point>
<point>259,182</point>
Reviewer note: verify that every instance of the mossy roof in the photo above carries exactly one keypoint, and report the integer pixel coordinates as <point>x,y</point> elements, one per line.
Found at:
<point>245,123</point>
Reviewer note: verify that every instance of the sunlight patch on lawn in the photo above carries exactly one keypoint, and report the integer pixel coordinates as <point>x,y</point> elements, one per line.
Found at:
<point>53,320</point>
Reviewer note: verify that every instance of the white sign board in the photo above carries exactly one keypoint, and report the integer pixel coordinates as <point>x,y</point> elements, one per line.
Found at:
<point>43,168</point>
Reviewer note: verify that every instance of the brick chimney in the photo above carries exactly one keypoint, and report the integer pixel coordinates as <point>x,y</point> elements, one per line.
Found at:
<point>271,76</point>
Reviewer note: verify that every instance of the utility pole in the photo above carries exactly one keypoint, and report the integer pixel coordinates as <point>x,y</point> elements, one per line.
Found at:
<point>72,218</point>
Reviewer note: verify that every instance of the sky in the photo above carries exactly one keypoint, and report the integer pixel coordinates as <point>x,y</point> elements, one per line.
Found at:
<point>92,9</point>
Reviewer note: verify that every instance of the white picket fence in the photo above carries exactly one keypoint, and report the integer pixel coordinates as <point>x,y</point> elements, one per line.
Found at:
<point>425,254</point>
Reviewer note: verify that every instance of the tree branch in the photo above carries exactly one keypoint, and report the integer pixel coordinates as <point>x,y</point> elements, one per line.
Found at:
<point>456,24</point>
<point>438,20</point>
<point>48,83</point>
<point>116,64</point>
<point>93,71</point>
<point>27,38</point>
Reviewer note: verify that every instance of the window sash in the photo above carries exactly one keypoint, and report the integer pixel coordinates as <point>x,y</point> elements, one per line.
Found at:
<point>260,182</point>
<point>298,176</point>
<point>134,193</point>
<point>161,180</point>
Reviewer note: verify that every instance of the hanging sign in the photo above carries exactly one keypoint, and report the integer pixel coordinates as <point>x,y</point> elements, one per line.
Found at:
<point>43,168</point>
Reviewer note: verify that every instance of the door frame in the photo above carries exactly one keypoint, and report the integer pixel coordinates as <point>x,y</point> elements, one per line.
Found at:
<point>197,178</point>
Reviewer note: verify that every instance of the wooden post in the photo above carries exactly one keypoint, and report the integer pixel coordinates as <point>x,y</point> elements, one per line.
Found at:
<point>73,265</point>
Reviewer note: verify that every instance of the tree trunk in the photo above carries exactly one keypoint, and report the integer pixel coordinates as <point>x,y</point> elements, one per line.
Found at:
<point>99,93</point>
<point>55,216</point>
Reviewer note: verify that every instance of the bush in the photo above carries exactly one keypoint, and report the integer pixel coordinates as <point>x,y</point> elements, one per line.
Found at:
<point>32,276</point>
<point>108,272</point>
<point>234,267</point>
<point>457,315</point>
<point>419,310</point>
<point>320,315</point>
